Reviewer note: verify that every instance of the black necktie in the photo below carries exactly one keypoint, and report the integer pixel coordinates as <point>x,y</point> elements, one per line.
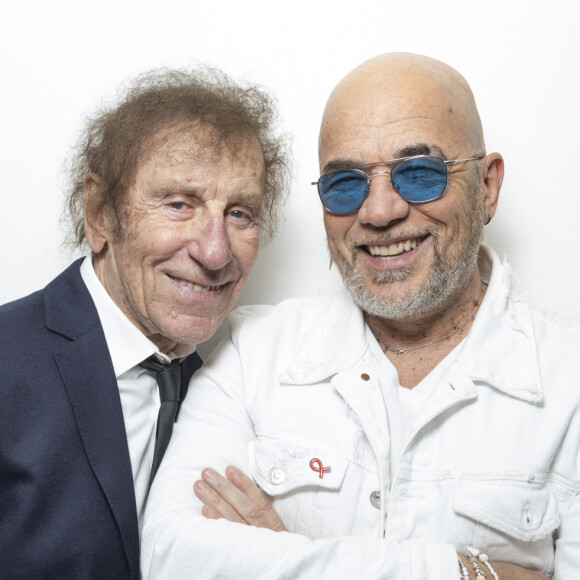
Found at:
<point>169,383</point>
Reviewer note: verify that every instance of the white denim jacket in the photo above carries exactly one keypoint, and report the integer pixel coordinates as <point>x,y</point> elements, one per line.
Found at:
<point>492,459</point>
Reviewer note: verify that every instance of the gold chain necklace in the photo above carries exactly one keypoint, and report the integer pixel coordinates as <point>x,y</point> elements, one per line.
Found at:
<point>387,347</point>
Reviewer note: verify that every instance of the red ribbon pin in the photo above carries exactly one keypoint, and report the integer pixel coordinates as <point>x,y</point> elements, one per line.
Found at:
<point>316,465</point>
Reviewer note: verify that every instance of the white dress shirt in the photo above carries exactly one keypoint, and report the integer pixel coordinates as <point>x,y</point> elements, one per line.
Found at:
<point>128,346</point>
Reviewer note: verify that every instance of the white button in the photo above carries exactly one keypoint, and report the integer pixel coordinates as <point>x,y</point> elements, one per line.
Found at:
<point>375,498</point>
<point>276,476</point>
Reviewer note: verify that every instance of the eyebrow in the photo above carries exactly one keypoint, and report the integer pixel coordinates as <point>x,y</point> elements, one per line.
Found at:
<point>419,149</point>
<point>406,151</point>
<point>247,198</point>
<point>177,188</point>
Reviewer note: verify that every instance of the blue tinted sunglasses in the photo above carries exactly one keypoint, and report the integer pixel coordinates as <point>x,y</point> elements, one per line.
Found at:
<point>416,179</point>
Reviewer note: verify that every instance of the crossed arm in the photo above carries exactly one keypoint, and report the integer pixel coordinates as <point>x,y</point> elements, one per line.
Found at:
<point>236,498</point>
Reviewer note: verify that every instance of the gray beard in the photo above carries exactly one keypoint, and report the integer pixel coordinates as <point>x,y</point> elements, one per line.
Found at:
<point>446,281</point>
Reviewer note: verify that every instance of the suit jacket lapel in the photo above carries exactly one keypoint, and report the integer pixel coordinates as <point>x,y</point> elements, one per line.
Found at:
<point>87,373</point>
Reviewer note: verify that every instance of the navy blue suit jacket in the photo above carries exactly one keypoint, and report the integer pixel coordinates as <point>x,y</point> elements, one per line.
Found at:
<point>67,504</point>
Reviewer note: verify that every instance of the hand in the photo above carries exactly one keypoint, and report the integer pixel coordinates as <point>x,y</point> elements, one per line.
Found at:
<point>505,571</point>
<point>237,499</point>
<point>511,572</point>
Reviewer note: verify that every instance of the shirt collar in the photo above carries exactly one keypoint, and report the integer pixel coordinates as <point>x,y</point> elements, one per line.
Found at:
<point>500,348</point>
<point>128,346</point>
<point>334,341</point>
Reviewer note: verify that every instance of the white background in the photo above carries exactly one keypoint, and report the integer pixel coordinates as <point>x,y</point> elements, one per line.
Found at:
<point>60,59</point>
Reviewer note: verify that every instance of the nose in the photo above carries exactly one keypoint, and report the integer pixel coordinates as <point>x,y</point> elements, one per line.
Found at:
<point>212,249</point>
<point>383,204</point>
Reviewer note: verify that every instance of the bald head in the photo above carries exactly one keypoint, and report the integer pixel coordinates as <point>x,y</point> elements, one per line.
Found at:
<point>407,99</point>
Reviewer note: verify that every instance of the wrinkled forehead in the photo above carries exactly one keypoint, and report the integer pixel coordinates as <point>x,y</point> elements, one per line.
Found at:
<point>182,143</point>
<point>376,113</point>
<point>188,150</point>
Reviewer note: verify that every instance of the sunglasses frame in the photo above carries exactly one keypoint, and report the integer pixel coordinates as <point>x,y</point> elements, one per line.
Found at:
<point>396,162</point>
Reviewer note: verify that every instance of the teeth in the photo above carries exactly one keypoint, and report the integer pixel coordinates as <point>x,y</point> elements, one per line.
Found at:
<point>394,249</point>
<point>198,287</point>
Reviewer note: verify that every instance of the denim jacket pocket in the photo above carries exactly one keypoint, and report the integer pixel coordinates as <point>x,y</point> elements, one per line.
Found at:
<point>280,467</point>
<point>516,508</point>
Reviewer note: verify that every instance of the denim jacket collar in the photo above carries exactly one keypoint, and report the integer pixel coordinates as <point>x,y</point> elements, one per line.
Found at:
<point>501,334</point>
<point>500,349</point>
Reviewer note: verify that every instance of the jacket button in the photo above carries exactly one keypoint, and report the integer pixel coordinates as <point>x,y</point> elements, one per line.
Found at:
<point>365,377</point>
<point>276,476</point>
<point>375,498</point>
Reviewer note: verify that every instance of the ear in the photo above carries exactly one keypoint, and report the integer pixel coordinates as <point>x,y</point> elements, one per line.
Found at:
<point>493,178</point>
<point>95,222</point>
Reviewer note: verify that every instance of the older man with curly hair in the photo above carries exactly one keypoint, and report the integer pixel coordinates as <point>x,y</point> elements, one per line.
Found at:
<point>171,189</point>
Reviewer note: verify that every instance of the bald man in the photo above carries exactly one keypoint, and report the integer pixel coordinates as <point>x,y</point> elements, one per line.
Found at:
<point>424,422</point>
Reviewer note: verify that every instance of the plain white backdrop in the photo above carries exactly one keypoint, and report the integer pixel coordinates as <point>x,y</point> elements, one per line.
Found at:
<point>59,60</point>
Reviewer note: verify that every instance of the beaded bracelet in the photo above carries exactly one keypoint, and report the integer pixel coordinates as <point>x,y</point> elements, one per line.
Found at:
<point>472,554</point>
<point>462,569</point>
<point>485,559</point>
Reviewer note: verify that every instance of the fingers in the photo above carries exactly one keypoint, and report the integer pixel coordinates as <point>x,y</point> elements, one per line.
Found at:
<point>259,511</point>
<point>210,513</point>
<point>215,506</point>
<point>249,489</point>
<point>235,498</point>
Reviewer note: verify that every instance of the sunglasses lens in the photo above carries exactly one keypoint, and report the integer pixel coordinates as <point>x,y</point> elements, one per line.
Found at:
<point>422,179</point>
<point>416,180</point>
<point>342,191</point>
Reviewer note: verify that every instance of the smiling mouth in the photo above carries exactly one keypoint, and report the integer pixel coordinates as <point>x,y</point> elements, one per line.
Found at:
<point>393,249</point>
<point>198,287</point>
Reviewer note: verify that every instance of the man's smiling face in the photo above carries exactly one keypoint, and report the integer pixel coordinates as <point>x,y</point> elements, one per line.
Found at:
<point>402,260</point>
<point>190,233</point>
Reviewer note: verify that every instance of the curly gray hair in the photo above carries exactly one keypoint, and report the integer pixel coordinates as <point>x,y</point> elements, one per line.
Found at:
<point>227,112</point>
